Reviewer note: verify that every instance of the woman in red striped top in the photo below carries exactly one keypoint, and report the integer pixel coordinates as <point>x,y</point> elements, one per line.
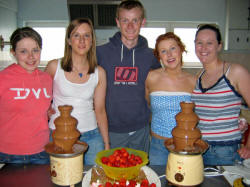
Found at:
<point>218,95</point>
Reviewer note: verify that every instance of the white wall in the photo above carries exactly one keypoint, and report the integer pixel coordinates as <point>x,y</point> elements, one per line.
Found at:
<point>45,10</point>
<point>239,14</point>
<point>239,33</point>
<point>8,23</point>
<point>156,10</point>
<point>8,14</point>
<point>185,10</point>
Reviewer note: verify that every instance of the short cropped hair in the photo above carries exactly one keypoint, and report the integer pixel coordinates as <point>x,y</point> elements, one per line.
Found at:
<point>128,5</point>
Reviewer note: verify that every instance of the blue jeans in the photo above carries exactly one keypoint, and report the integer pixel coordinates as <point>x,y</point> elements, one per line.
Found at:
<point>39,158</point>
<point>136,140</point>
<point>218,155</point>
<point>94,139</point>
<point>158,153</point>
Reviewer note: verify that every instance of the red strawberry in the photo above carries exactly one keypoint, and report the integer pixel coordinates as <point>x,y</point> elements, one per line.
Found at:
<point>132,183</point>
<point>144,183</point>
<point>108,184</point>
<point>152,185</point>
<point>122,183</point>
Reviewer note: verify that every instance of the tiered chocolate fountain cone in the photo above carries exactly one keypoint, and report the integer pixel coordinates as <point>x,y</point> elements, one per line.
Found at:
<point>185,163</point>
<point>66,152</point>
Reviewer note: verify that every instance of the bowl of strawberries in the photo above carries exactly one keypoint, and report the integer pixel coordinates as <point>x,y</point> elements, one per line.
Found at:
<point>121,163</point>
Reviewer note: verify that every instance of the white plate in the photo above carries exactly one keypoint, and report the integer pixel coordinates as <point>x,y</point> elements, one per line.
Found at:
<point>233,172</point>
<point>246,163</point>
<point>150,174</point>
<point>238,170</point>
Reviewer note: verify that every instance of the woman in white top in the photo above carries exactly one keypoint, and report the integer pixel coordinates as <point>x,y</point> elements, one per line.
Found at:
<point>166,87</point>
<point>80,82</point>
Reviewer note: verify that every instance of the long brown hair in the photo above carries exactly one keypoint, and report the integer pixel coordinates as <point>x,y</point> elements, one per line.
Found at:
<point>91,56</point>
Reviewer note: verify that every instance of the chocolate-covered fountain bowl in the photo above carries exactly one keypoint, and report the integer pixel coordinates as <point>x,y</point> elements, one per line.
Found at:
<point>199,147</point>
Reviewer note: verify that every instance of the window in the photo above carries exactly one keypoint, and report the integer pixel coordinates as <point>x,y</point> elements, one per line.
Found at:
<point>186,31</point>
<point>53,43</point>
<point>53,36</point>
<point>187,36</point>
<point>151,34</point>
<point>101,12</point>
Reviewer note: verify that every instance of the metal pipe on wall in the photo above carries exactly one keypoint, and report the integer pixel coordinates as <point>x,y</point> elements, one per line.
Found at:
<point>2,42</point>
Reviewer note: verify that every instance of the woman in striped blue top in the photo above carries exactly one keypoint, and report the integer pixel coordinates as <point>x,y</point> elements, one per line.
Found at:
<point>166,87</point>
<point>218,95</point>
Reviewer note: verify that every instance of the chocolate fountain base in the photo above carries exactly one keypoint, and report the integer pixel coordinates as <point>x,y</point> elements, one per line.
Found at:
<point>66,168</point>
<point>184,170</point>
<point>66,171</point>
<point>171,184</point>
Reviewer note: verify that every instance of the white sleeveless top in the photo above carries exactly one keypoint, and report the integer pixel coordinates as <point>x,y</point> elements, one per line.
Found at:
<point>80,96</point>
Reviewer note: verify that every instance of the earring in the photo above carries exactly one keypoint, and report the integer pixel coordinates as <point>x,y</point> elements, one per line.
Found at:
<point>69,42</point>
<point>162,65</point>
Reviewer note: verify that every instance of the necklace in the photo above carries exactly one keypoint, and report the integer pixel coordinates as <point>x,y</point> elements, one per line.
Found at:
<point>80,74</point>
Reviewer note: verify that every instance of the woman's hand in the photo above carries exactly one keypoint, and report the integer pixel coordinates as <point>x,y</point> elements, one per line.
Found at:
<point>244,152</point>
<point>243,125</point>
<point>106,146</point>
<point>50,112</point>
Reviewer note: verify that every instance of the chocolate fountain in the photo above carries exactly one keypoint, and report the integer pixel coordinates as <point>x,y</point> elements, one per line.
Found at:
<point>185,163</point>
<point>66,152</point>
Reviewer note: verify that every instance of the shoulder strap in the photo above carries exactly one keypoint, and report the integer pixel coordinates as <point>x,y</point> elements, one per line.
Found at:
<point>228,69</point>
<point>58,68</point>
<point>199,74</point>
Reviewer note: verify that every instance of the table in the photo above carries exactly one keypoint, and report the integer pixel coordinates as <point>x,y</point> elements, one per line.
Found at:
<point>39,176</point>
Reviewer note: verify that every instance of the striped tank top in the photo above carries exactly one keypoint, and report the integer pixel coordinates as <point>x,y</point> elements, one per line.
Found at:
<point>218,108</point>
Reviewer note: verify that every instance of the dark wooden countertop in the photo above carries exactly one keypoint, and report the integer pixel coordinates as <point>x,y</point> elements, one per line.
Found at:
<point>39,176</point>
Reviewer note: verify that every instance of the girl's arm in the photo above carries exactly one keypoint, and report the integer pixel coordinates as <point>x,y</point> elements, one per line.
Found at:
<point>99,106</point>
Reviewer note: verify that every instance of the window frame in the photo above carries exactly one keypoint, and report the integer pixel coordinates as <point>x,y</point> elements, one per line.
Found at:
<point>171,25</point>
<point>43,24</point>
